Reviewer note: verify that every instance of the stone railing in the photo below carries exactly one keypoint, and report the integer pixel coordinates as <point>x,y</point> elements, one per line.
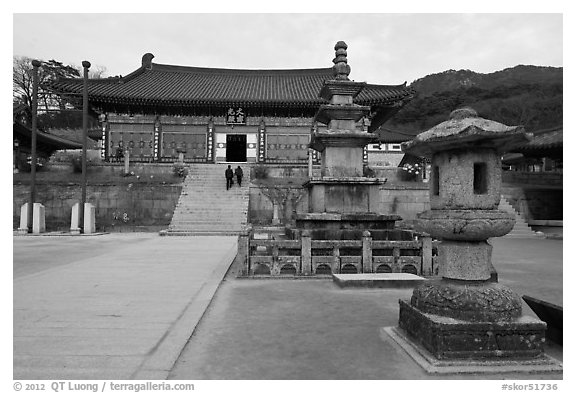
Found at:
<point>308,257</point>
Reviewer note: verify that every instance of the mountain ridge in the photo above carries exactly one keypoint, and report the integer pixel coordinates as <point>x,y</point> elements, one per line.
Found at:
<point>526,95</point>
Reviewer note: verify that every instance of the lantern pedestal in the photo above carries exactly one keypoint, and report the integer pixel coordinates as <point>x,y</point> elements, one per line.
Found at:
<point>450,338</point>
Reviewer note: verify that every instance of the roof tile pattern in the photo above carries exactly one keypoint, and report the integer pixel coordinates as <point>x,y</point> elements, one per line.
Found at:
<point>177,85</point>
<point>545,140</point>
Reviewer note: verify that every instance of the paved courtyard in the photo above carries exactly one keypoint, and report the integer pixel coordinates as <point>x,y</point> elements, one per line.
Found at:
<point>312,329</point>
<point>115,306</point>
<point>123,306</point>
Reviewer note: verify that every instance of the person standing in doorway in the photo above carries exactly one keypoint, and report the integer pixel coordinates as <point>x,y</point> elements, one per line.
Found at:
<point>229,176</point>
<point>238,172</point>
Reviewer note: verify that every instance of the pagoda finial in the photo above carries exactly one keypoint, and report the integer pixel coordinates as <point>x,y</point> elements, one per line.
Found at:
<point>341,67</point>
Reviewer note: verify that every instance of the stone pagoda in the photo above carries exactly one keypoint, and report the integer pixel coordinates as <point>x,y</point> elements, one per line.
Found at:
<point>342,198</point>
<point>465,315</point>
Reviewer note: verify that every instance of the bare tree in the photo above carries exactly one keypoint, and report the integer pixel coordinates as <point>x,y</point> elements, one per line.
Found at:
<point>49,71</point>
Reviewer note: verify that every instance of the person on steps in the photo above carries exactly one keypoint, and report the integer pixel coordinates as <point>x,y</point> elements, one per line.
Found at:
<point>229,175</point>
<point>238,172</point>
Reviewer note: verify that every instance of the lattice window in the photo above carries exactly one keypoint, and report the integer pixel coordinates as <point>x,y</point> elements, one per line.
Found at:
<point>192,139</point>
<point>138,137</point>
<point>287,147</point>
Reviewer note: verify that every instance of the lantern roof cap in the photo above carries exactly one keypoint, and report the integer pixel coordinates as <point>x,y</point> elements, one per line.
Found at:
<point>466,130</point>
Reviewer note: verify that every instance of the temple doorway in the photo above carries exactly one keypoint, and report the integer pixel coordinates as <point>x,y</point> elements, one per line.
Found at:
<point>235,148</point>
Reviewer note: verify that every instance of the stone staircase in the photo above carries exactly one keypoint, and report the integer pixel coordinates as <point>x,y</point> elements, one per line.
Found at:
<point>521,228</point>
<point>205,206</point>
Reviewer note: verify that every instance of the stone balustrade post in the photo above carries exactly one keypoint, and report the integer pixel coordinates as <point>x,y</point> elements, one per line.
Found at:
<point>243,253</point>
<point>275,269</point>
<point>306,255</point>
<point>366,252</point>
<point>275,213</point>
<point>336,254</point>
<point>397,267</point>
<point>426,256</point>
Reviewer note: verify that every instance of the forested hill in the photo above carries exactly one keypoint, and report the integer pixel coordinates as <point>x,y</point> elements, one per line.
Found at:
<point>523,95</point>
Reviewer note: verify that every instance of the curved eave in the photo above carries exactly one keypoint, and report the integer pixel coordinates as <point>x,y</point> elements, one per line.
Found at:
<point>46,142</point>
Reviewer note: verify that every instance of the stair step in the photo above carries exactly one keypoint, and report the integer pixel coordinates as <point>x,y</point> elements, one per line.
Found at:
<point>206,206</point>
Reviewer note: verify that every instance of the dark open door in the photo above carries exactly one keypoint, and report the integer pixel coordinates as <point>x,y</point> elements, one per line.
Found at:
<point>235,148</point>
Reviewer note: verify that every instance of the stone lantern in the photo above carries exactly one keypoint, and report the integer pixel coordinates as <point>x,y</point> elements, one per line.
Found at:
<point>464,315</point>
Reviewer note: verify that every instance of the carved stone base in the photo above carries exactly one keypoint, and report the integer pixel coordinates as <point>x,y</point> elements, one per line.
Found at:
<point>449,338</point>
<point>473,301</point>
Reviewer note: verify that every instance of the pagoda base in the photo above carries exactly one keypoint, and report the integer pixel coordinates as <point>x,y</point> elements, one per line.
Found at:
<point>430,364</point>
<point>450,338</point>
<point>344,195</point>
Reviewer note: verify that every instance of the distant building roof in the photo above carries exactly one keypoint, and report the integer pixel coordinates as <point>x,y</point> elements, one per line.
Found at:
<point>545,143</point>
<point>170,86</point>
<point>46,143</point>
<point>546,139</point>
<point>387,135</point>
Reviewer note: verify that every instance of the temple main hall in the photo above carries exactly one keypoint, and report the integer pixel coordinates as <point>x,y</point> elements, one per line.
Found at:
<point>213,115</point>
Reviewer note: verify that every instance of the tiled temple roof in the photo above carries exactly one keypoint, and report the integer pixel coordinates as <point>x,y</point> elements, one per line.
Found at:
<point>545,139</point>
<point>161,85</point>
<point>47,143</point>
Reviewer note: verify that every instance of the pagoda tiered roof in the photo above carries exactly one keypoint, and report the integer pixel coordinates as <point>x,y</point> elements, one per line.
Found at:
<point>166,88</point>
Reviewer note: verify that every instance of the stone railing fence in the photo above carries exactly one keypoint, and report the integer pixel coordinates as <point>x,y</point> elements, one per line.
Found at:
<point>308,257</point>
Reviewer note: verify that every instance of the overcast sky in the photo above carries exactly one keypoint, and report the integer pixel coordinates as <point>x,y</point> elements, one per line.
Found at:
<point>382,48</point>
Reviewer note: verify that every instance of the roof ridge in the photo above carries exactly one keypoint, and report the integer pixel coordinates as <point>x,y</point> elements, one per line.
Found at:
<point>227,71</point>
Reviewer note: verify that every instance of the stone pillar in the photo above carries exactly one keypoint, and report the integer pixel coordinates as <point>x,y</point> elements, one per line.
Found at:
<point>366,252</point>
<point>38,218</point>
<point>275,213</point>
<point>89,218</point>
<point>427,269</point>
<point>24,211</point>
<point>243,253</point>
<point>126,161</point>
<point>306,253</point>
<point>75,220</point>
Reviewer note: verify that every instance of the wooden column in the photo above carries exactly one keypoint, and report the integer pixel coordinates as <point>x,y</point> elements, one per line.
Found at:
<point>262,141</point>
<point>86,65</point>
<point>157,139</point>
<point>35,64</point>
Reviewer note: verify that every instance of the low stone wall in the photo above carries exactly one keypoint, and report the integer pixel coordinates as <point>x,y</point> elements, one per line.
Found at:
<point>115,169</point>
<point>119,207</point>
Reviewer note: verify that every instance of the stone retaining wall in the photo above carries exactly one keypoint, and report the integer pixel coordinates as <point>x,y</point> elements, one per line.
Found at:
<point>119,207</point>
<point>535,203</point>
